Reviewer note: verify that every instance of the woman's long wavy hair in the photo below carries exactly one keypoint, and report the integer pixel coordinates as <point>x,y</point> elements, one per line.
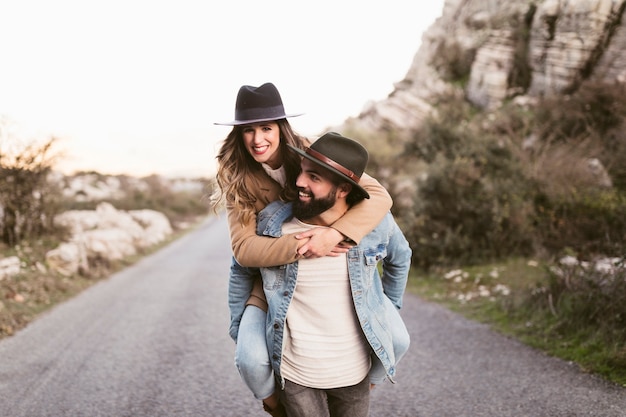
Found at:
<point>235,164</point>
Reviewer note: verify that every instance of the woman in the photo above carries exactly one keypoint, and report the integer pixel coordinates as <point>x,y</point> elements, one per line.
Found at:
<point>255,167</point>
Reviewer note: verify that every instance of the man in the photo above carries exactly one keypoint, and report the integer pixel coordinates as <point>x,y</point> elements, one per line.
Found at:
<point>333,327</point>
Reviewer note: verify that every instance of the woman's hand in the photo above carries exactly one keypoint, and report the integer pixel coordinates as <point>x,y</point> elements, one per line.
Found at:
<point>322,241</point>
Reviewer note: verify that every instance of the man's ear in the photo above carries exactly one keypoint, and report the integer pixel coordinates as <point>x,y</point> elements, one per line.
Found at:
<point>344,189</point>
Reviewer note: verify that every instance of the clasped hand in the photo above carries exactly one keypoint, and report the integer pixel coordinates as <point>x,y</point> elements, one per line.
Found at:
<point>322,241</point>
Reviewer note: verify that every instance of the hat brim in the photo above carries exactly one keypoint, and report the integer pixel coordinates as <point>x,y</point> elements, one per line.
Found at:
<point>246,122</point>
<point>330,168</point>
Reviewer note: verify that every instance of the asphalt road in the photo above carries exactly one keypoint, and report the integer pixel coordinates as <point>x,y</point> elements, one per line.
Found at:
<point>152,341</point>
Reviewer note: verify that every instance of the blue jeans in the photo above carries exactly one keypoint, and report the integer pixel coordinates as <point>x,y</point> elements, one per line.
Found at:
<point>300,401</point>
<point>251,357</point>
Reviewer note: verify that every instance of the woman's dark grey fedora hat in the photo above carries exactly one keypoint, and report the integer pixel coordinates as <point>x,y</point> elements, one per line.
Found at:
<point>258,104</point>
<point>340,155</point>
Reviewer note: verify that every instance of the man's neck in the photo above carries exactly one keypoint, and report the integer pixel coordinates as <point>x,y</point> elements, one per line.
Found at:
<point>328,217</point>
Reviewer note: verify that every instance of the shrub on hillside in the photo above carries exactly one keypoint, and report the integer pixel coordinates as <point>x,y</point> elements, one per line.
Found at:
<point>28,202</point>
<point>595,109</point>
<point>580,165</point>
<point>473,204</point>
<point>540,179</point>
<point>593,118</point>
<point>590,224</point>
<point>585,304</point>
<point>453,60</point>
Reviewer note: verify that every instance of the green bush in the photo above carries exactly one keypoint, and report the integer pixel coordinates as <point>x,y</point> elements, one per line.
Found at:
<point>453,60</point>
<point>520,180</point>
<point>28,202</point>
<point>588,296</point>
<point>584,308</point>
<point>575,209</point>
<point>473,204</point>
<point>591,223</point>
<point>595,109</point>
<point>592,118</point>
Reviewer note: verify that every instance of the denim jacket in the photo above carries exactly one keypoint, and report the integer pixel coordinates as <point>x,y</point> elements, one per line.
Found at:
<point>385,244</point>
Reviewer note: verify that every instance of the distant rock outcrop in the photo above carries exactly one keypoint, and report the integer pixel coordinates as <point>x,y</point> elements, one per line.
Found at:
<point>505,49</point>
<point>93,186</point>
<point>105,234</point>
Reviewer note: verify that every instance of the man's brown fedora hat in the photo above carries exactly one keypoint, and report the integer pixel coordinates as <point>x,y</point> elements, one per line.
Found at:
<point>343,156</point>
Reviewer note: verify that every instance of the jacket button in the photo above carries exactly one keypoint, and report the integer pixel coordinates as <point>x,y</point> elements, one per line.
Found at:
<point>286,293</point>
<point>276,326</point>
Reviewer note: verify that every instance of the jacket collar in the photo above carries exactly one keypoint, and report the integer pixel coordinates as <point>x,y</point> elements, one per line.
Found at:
<point>270,220</point>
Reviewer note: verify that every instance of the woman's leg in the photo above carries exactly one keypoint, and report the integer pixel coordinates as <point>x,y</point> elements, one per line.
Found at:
<point>251,356</point>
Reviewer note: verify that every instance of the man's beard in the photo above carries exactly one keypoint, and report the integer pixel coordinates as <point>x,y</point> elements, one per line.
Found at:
<point>315,206</point>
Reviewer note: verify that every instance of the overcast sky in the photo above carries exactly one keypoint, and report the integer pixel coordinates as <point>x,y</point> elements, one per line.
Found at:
<point>134,86</point>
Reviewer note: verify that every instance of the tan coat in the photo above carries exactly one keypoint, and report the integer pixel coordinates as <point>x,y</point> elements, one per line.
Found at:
<point>251,250</point>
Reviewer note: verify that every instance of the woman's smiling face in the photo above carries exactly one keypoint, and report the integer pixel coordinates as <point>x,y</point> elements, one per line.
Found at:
<point>262,140</point>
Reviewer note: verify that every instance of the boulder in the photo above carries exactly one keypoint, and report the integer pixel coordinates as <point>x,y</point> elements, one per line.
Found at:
<point>68,258</point>
<point>105,234</point>
<point>9,267</point>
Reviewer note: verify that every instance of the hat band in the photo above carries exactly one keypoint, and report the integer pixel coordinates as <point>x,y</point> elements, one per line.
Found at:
<point>260,113</point>
<point>345,171</point>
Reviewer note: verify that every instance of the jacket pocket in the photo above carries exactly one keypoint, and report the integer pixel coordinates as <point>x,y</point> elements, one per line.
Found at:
<point>373,256</point>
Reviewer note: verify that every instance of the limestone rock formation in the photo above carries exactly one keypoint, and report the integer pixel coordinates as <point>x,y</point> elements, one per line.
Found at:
<point>9,267</point>
<point>105,234</point>
<point>504,49</point>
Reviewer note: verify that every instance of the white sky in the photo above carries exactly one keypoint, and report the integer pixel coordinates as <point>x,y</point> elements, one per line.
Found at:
<point>134,86</point>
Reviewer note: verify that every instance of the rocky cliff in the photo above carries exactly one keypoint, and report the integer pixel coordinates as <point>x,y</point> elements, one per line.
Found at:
<point>488,51</point>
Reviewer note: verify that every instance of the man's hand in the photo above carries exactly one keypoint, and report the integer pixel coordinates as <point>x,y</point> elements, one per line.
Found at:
<point>323,241</point>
